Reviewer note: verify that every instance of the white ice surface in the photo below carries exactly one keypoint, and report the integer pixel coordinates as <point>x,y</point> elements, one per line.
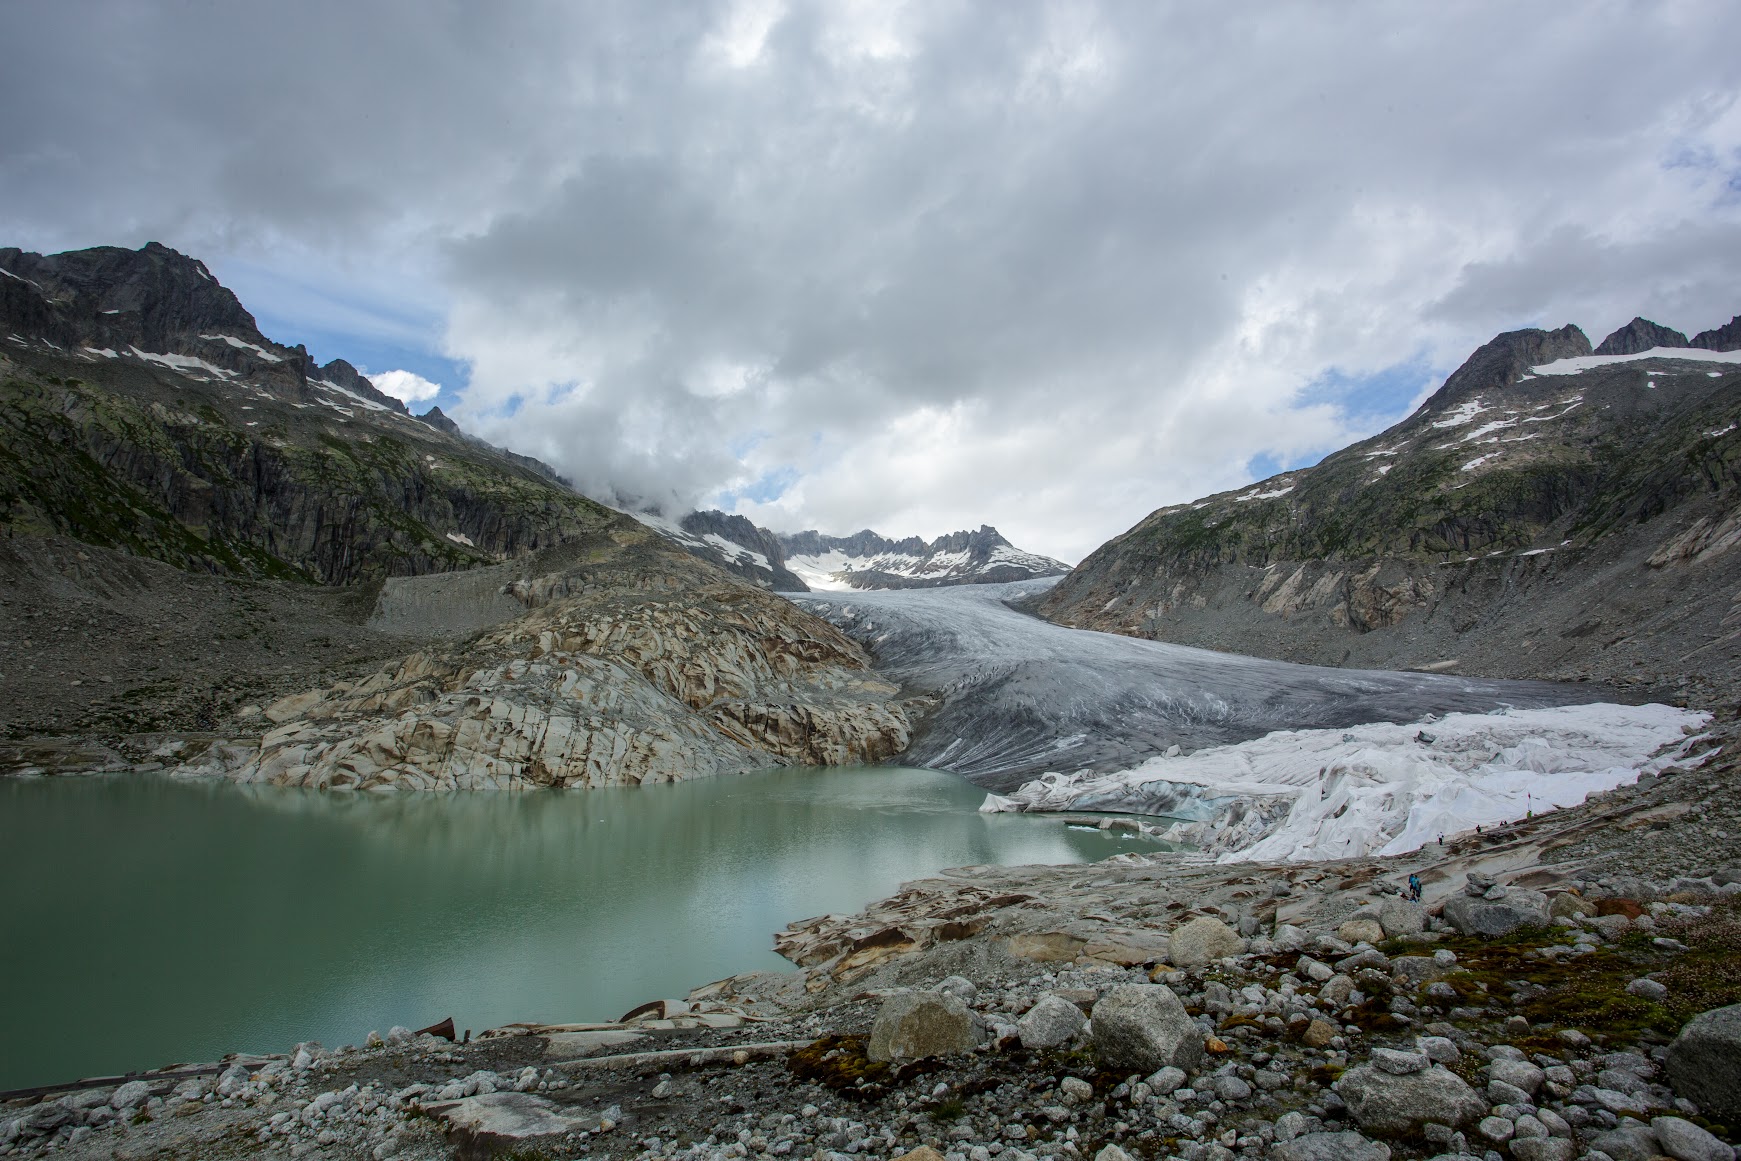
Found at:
<point>359,400</point>
<point>1686,354</point>
<point>1461,414</point>
<point>1298,795</point>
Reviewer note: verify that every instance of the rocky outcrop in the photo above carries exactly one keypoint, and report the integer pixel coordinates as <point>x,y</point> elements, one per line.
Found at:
<point>1640,335</point>
<point>741,547</point>
<point>639,674</point>
<point>1704,1062</point>
<point>1532,519</point>
<point>1724,338</point>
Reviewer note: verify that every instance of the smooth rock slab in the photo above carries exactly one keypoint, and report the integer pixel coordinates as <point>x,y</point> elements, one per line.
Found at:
<point>1704,1063</point>
<point>483,1126</point>
<point>1330,1147</point>
<point>1143,1028</point>
<point>915,1025</point>
<point>1383,1103</point>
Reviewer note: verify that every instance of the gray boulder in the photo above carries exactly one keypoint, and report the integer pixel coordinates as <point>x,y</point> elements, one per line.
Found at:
<point>1050,1023</point>
<point>1543,1149</point>
<point>1330,1147</point>
<point>483,1126</point>
<point>1518,1073</point>
<point>1143,1027</point>
<point>914,1025</point>
<point>1391,1105</point>
<point>1401,918</point>
<point>1704,1063</point>
<point>1201,942</point>
<point>1630,1142</point>
<point>1685,1141</point>
<point>134,1092</point>
<point>1516,908</point>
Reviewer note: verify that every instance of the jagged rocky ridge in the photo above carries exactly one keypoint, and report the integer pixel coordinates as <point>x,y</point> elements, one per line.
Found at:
<point>141,409</point>
<point>1547,513</point>
<point>866,560</point>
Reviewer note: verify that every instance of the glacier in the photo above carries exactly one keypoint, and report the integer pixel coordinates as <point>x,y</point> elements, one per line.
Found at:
<point>1382,788</point>
<point>1016,697</point>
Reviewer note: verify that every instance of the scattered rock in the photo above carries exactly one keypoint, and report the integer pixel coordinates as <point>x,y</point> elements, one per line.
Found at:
<point>1202,941</point>
<point>1704,1062</point>
<point>1144,1027</point>
<point>1318,1034</point>
<point>1330,1147</point>
<point>915,1025</point>
<point>1050,1022</point>
<point>1491,917</point>
<point>1361,931</point>
<point>1647,989</point>
<point>1391,1105</point>
<point>483,1126</point>
<point>1685,1141</point>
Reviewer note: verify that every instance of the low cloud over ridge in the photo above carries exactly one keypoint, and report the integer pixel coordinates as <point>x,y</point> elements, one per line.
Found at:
<point>915,267</point>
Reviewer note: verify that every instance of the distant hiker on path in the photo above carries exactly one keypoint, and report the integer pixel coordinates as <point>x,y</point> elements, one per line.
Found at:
<point>1415,888</point>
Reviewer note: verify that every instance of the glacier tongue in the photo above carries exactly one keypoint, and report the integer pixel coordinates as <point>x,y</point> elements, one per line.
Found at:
<point>1298,795</point>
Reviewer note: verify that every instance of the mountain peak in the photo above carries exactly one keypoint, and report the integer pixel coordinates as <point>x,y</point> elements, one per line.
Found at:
<point>1640,335</point>
<point>1505,359</point>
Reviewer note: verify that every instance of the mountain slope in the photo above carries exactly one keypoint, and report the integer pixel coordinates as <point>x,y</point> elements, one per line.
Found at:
<point>141,409</point>
<point>219,555</point>
<point>1547,513</point>
<point>866,560</point>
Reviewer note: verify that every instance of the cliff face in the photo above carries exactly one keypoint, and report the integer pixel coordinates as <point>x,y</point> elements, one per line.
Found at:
<point>141,409</point>
<point>1530,520</point>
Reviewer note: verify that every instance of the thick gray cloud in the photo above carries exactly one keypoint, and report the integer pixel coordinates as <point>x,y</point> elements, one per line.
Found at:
<point>912,266</point>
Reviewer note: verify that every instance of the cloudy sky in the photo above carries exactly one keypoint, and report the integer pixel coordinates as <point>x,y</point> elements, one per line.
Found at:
<point>908,266</point>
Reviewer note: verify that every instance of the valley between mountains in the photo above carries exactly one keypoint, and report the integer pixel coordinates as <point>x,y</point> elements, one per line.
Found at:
<point>1495,646</point>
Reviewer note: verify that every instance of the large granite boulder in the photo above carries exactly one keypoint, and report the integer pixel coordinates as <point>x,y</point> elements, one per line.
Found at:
<point>1396,1105</point>
<point>1330,1147</point>
<point>1499,911</point>
<point>914,1025</point>
<point>1685,1141</point>
<point>1401,918</point>
<point>1201,942</point>
<point>1704,1063</point>
<point>1143,1028</point>
<point>1050,1023</point>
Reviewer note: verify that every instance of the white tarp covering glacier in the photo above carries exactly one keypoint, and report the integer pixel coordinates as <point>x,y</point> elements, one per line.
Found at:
<point>1297,795</point>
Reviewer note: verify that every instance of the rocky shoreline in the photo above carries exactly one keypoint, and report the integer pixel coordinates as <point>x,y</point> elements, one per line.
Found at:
<point>1544,1000</point>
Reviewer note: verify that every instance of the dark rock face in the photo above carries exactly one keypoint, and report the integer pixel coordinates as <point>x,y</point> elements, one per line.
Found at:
<point>1640,335</point>
<point>1724,338</point>
<point>142,410</point>
<point>741,532</point>
<point>437,419</point>
<point>1503,360</point>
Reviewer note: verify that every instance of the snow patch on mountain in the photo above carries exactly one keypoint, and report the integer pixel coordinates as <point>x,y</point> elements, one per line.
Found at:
<point>1587,362</point>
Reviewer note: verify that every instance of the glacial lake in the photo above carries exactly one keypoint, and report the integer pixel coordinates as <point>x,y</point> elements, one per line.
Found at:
<point>151,921</point>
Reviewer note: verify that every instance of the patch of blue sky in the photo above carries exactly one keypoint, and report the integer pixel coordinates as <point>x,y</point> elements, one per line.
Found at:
<point>1369,402</point>
<point>1380,396</point>
<point>369,333</point>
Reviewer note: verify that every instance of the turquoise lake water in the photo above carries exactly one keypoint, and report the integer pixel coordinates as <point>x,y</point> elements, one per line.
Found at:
<point>150,921</point>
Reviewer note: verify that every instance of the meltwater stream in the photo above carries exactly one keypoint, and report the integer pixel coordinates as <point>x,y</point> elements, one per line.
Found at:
<point>150,921</point>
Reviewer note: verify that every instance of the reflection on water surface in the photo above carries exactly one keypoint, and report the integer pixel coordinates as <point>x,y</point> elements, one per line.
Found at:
<point>151,921</point>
